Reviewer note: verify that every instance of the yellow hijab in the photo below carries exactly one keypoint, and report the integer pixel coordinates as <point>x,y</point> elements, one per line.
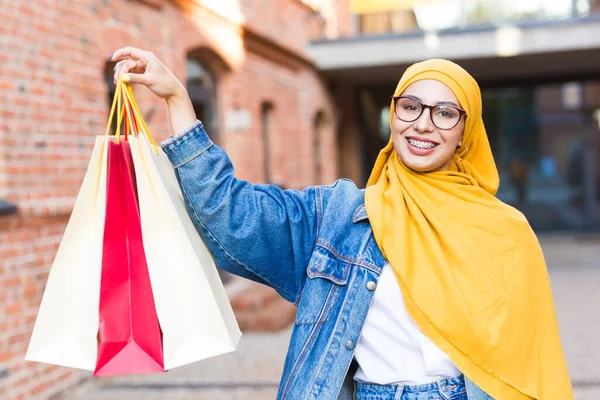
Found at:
<point>470,268</point>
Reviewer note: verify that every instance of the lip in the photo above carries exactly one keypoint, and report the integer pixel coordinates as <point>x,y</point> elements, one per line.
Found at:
<point>417,151</point>
<point>421,139</point>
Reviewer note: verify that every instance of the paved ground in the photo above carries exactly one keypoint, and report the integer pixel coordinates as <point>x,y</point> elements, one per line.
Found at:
<point>253,371</point>
<point>575,274</point>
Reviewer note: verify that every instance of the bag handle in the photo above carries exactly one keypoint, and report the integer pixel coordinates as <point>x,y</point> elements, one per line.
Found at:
<point>137,114</point>
<point>130,124</point>
<point>128,113</point>
<point>116,105</point>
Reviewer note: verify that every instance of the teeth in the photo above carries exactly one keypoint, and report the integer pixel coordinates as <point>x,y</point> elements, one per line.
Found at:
<point>421,145</point>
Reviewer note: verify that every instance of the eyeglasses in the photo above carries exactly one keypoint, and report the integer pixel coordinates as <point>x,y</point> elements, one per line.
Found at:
<point>444,117</point>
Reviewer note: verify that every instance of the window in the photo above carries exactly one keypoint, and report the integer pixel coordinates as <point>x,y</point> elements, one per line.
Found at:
<point>318,132</point>
<point>110,90</point>
<point>7,208</point>
<point>266,119</point>
<point>202,89</point>
<point>387,22</point>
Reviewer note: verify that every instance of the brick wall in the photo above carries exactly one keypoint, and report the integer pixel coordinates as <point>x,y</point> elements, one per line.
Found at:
<point>53,102</point>
<point>297,97</point>
<point>283,20</point>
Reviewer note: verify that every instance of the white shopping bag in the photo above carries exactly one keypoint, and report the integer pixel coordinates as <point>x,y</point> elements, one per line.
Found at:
<point>192,307</point>
<point>66,328</point>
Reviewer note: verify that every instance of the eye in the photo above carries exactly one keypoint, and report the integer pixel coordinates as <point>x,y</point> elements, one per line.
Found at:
<point>447,112</point>
<point>410,106</point>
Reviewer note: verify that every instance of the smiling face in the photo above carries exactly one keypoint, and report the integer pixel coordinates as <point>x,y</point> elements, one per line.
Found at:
<point>420,144</point>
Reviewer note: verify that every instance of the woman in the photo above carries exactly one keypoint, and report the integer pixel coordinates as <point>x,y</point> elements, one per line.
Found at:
<point>423,286</point>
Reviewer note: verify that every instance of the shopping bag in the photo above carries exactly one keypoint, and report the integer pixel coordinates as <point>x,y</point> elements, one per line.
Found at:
<point>193,309</point>
<point>116,242</point>
<point>129,334</point>
<point>66,326</point>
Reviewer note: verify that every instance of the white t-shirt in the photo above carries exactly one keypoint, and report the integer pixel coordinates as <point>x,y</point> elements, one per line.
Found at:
<point>391,348</point>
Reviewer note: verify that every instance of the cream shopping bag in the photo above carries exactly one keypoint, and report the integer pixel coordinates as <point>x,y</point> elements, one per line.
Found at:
<point>66,328</point>
<point>193,309</point>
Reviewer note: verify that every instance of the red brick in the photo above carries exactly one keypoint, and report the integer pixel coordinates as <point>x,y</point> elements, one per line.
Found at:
<point>255,297</point>
<point>53,100</point>
<point>22,382</point>
<point>30,290</point>
<point>18,338</point>
<point>50,368</point>
<point>39,388</point>
<point>13,309</point>
<point>7,86</point>
<point>6,356</point>
<point>11,282</point>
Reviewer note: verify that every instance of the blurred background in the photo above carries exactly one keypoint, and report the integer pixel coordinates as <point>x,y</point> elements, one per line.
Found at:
<point>298,93</point>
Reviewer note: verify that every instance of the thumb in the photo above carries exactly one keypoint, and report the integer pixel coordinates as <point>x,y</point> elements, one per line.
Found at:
<point>135,78</point>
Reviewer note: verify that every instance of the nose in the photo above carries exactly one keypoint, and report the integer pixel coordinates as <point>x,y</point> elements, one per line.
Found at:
<point>424,122</point>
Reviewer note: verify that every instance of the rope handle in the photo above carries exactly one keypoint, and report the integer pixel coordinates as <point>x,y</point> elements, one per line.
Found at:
<point>129,115</point>
<point>139,120</point>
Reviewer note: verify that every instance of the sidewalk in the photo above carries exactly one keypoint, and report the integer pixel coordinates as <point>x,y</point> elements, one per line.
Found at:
<point>574,265</point>
<point>253,371</point>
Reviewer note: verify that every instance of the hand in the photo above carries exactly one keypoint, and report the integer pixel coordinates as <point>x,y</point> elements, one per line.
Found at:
<point>143,67</point>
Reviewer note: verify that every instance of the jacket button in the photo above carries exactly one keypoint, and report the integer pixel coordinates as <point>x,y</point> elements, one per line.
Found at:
<point>371,285</point>
<point>350,345</point>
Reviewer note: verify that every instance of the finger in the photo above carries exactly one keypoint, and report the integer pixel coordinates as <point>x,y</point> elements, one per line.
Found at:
<point>126,66</point>
<point>130,52</point>
<point>131,66</point>
<point>135,79</point>
<point>116,71</point>
<point>119,69</point>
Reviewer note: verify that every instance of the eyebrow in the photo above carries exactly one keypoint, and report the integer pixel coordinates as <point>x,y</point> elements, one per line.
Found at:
<point>439,103</point>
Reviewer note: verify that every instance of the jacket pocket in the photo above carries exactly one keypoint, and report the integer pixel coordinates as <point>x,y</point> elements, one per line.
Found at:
<point>326,283</point>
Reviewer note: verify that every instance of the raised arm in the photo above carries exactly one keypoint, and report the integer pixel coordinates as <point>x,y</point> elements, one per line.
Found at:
<point>142,67</point>
<point>260,232</point>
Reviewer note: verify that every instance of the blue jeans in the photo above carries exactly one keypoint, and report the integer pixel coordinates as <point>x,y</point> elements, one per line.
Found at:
<point>445,389</point>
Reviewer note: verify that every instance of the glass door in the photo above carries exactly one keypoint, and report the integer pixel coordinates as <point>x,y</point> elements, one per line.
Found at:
<point>539,144</point>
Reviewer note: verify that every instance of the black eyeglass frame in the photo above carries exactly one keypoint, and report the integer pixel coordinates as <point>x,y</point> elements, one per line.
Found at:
<point>462,112</point>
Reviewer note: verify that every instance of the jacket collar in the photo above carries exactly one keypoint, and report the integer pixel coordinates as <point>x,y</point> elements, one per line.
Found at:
<point>360,214</point>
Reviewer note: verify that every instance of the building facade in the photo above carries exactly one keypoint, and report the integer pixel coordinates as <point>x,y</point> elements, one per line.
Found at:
<point>538,64</point>
<point>251,82</point>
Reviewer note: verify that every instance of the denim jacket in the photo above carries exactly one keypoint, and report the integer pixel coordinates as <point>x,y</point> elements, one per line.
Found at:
<point>315,247</point>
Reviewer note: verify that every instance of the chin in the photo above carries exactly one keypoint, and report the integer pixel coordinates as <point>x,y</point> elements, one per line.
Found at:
<point>419,165</point>
<point>431,163</point>
<point>421,168</point>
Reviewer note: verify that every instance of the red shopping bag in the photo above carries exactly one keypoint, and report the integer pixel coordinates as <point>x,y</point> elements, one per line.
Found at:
<point>130,340</point>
